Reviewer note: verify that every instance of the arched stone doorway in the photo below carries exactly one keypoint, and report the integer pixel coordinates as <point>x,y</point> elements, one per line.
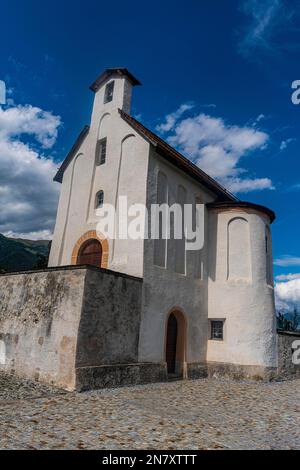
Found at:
<point>175,344</point>
<point>90,253</point>
<point>91,248</point>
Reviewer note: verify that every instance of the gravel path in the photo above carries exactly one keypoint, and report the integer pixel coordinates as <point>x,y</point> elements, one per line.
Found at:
<point>200,414</point>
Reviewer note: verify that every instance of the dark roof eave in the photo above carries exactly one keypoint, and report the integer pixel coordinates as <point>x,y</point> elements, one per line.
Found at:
<point>243,205</point>
<point>59,175</point>
<point>109,73</point>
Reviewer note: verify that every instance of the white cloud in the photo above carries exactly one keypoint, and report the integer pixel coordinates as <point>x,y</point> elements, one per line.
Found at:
<point>19,120</point>
<point>28,196</point>
<point>172,118</point>
<point>287,277</point>
<point>285,143</point>
<point>38,235</point>
<point>287,260</point>
<point>260,117</point>
<point>266,18</point>
<point>217,148</point>
<point>238,185</point>
<point>287,294</point>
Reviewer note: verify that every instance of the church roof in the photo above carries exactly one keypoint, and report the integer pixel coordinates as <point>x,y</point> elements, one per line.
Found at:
<point>177,159</point>
<point>113,72</point>
<point>242,205</point>
<point>59,175</point>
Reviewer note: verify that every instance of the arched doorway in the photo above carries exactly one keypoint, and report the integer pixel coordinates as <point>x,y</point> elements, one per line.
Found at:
<point>90,253</point>
<point>175,344</point>
<point>81,243</point>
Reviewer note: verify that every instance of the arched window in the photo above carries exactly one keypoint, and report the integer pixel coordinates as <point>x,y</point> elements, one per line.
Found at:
<point>101,151</point>
<point>99,199</point>
<point>90,253</point>
<point>109,91</point>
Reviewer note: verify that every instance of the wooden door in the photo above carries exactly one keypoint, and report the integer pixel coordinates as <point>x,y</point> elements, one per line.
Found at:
<point>171,344</point>
<point>90,253</point>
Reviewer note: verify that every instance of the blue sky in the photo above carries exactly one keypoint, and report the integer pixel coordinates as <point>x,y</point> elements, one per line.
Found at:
<point>225,65</point>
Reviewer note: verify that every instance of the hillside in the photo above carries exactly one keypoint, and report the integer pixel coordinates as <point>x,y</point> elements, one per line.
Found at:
<point>17,254</point>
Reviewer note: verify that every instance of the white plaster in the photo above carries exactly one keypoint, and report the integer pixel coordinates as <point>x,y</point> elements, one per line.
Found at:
<point>246,304</point>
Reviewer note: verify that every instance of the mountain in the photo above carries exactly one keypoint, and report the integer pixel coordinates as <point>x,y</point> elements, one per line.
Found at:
<point>17,254</point>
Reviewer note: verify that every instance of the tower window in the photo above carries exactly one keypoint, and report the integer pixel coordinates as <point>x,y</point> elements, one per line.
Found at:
<point>101,151</point>
<point>109,91</point>
<point>216,329</point>
<point>99,199</point>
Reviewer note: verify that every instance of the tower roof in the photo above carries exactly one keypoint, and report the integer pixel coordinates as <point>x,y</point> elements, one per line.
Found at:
<point>121,72</point>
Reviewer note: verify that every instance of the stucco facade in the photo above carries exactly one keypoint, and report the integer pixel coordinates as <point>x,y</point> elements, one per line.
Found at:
<point>220,298</point>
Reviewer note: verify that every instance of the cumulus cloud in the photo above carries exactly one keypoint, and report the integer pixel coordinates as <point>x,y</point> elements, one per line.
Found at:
<point>287,260</point>
<point>287,294</point>
<point>239,185</point>
<point>217,148</point>
<point>172,118</point>
<point>38,235</point>
<point>266,19</point>
<point>28,196</point>
<point>20,120</point>
<point>287,277</point>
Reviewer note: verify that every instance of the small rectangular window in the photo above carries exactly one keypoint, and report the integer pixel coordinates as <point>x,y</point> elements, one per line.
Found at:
<point>109,91</point>
<point>101,151</point>
<point>216,329</point>
<point>99,199</point>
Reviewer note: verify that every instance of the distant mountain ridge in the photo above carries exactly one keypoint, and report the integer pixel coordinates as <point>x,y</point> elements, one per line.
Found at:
<point>17,254</point>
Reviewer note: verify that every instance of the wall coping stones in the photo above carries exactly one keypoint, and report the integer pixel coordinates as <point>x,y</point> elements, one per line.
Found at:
<point>73,268</point>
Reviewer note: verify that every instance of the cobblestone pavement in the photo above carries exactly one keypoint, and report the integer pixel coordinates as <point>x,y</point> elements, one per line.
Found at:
<point>200,414</point>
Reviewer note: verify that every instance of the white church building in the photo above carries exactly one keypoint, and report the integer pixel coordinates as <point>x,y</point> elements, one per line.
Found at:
<point>207,310</point>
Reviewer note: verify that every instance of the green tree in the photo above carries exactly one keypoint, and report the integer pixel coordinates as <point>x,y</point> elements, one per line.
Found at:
<point>288,321</point>
<point>41,263</point>
<point>295,319</point>
<point>282,322</point>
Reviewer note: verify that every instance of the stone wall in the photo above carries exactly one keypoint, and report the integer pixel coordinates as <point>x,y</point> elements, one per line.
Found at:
<point>286,368</point>
<point>55,321</point>
<point>110,319</point>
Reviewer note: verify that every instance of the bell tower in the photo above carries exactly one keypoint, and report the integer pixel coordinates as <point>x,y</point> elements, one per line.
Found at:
<point>113,90</point>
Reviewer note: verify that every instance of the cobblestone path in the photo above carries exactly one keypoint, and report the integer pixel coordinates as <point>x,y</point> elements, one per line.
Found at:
<point>200,414</point>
